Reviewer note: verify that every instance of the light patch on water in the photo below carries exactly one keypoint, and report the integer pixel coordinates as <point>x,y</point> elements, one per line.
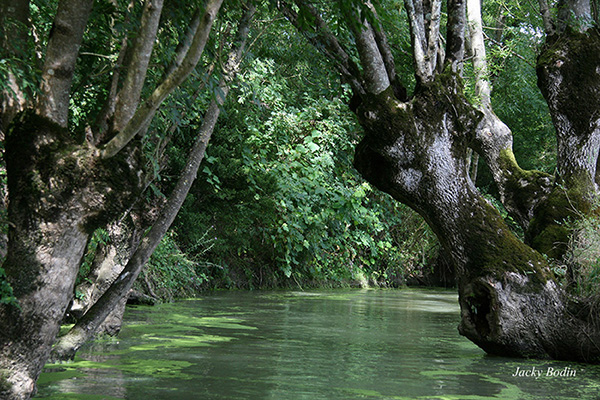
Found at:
<point>318,344</point>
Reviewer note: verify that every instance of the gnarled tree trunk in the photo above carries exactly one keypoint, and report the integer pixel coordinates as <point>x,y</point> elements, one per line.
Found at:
<point>46,241</point>
<point>61,190</point>
<point>510,304</point>
<point>418,151</point>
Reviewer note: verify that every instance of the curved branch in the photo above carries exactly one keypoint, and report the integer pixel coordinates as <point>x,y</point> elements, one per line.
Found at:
<point>129,95</point>
<point>61,54</point>
<point>146,111</point>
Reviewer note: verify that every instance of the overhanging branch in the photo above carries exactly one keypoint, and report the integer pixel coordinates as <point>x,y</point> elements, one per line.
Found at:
<point>146,111</point>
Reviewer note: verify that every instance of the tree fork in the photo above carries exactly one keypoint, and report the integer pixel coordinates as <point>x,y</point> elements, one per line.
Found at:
<point>510,303</point>
<point>86,327</point>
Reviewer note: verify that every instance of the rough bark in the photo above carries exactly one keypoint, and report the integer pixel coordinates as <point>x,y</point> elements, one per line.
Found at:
<point>46,241</point>
<point>457,22</point>
<point>510,305</point>
<point>87,326</point>
<point>568,78</point>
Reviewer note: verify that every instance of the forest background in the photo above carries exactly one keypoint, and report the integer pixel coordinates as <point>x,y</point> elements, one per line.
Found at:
<point>111,109</point>
<point>277,202</point>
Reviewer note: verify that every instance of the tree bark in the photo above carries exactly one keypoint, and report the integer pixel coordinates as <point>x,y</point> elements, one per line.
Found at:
<point>46,241</point>
<point>568,78</point>
<point>87,326</point>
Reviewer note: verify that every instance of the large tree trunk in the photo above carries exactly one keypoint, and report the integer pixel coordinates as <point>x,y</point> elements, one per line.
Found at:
<point>60,191</point>
<point>568,78</point>
<point>510,304</point>
<point>46,241</point>
<point>87,326</point>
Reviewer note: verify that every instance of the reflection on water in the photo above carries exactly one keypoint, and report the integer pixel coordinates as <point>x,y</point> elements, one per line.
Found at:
<point>337,344</point>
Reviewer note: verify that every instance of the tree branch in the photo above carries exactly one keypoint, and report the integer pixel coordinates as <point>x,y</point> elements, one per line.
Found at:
<point>434,34</point>
<point>416,21</point>
<point>375,73</point>
<point>61,54</point>
<point>128,97</point>
<point>88,324</point>
<point>100,127</point>
<point>455,45</point>
<point>387,55</point>
<point>183,47</point>
<point>146,111</point>
<point>477,47</point>
<point>324,41</point>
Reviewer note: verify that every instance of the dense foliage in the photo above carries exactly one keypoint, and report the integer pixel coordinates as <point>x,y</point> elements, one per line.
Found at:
<point>278,201</point>
<point>280,197</point>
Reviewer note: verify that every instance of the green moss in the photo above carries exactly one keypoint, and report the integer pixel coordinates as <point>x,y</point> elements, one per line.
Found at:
<point>5,385</point>
<point>549,232</point>
<point>523,188</point>
<point>501,251</point>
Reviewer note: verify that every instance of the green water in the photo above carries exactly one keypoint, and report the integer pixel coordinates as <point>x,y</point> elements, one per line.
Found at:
<point>338,344</point>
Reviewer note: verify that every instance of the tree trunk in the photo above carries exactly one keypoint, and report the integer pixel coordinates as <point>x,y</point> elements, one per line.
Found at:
<point>46,241</point>
<point>87,326</point>
<point>109,260</point>
<point>510,304</point>
<point>568,78</point>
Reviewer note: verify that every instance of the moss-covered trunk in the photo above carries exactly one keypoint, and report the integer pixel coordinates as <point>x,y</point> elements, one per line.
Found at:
<point>417,152</point>
<point>58,193</point>
<point>568,77</point>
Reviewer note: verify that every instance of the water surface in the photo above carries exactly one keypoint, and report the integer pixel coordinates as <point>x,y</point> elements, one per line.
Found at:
<point>326,344</point>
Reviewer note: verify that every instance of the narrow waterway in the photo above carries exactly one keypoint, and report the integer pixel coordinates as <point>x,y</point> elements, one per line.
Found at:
<point>326,344</point>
